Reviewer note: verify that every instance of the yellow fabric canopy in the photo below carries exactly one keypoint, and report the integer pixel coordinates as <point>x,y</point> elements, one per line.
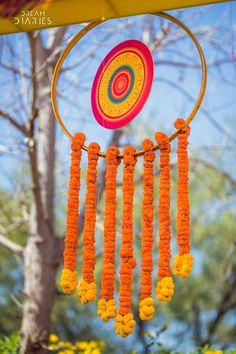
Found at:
<point>65,12</point>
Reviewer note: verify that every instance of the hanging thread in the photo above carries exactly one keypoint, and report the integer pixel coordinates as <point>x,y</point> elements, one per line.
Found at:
<point>69,275</point>
<point>87,287</point>
<point>106,305</point>
<point>146,305</point>
<point>165,284</point>
<point>183,262</point>
<point>125,320</point>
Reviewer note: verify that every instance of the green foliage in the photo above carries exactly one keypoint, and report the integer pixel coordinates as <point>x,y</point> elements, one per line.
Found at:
<point>10,345</point>
<point>11,280</point>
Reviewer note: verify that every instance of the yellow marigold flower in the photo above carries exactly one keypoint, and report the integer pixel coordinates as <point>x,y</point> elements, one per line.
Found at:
<point>68,345</point>
<point>61,344</point>
<point>86,292</point>
<point>96,351</point>
<point>93,344</point>
<point>183,264</point>
<point>53,346</point>
<point>82,345</point>
<point>106,309</point>
<point>92,351</point>
<point>146,309</point>
<point>68,281</point>
<point>165,289</point>
<point>53,338</point>
<point>124,325</point>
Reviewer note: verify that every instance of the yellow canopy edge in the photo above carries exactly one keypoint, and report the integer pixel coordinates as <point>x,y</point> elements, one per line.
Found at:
<point>66,12</point>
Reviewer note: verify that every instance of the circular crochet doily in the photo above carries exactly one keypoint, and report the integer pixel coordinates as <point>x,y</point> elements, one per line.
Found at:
<point>122,84</point>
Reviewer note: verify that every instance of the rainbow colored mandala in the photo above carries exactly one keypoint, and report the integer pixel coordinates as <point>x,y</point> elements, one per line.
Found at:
<point>122,84</point>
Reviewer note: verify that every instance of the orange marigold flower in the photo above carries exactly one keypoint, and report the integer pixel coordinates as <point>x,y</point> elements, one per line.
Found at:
<point>124,321</point>
<point>165,285</point>
<point>69,275</point>
<point>146,306</point>
<point>87,287</point>
<point>106,305</point>
<point>183,262</point>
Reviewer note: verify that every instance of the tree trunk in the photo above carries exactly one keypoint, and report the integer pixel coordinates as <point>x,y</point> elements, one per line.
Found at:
<point>41,257</point>
<point>40,269</point>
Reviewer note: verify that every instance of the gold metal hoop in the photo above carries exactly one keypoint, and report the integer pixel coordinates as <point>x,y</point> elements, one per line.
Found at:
<point>92,25</point>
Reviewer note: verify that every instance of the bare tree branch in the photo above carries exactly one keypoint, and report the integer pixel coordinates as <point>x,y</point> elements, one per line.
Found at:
<point>11,246</point>
<point>226,304</point>
<point>60,33</point>
<point>14,70</point>
<point>17,125</point>
<point>193,65</point>
<point>211,119</point>
<point>34,111</point>
<point>215,168</point>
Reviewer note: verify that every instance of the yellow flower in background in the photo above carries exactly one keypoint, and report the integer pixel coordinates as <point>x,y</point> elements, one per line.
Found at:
<point>96,351</point>
<point>60,344</point>
<point>53,338</point>
<point>69,345</point>
<point>83,347</point>
<point>53,347</point>
<point>214,351</point>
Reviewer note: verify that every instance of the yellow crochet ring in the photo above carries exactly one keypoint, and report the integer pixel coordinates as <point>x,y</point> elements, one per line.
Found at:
<point>92,25</point>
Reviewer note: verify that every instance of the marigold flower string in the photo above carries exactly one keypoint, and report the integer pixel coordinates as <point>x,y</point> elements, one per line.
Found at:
<point>69,275</point>
<point>183,262</point>
<point>106,305</point>
<point>125,320</point>
<point>87,287</point>
<point>165,284</point>
<point>146,305</point>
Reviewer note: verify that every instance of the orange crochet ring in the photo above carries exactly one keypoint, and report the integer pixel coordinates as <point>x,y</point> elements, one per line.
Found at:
<point>88,28</point>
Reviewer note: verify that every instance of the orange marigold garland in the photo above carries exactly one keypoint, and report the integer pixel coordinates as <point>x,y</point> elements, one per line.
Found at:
<point>146,305</point>
<point>125,320</point>
<point>87,287</point>
<point>69,275</point>
<point>165,284</point>
<point>106,305</point>
<point>183,262</point>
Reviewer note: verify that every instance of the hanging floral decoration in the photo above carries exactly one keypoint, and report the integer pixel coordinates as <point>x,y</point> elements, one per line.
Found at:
<point>183,262</point>
<point>125,320</point>
<point>165,284</point>
<point>106,305</point>
<point>69,275</point>
<point>87,287</point>
<point>121,87</point>
<point>146,305</point>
